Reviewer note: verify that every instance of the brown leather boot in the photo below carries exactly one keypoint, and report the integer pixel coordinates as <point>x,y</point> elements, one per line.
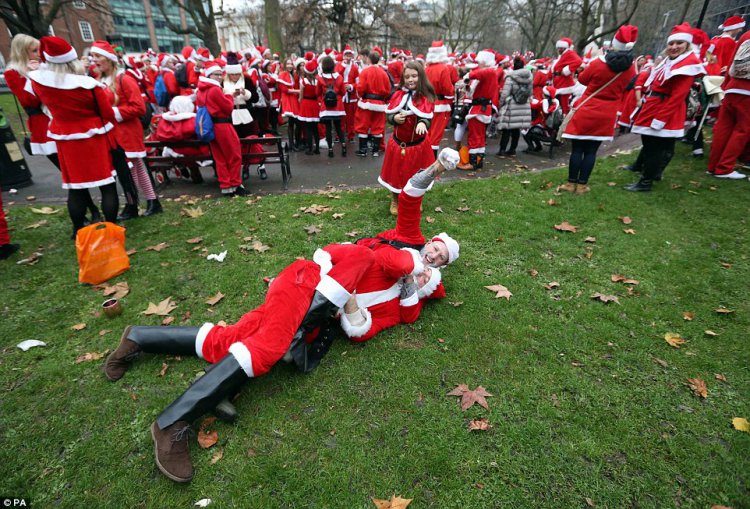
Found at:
<point>568,187</point>
<point>171,450</point>
<point>119,361</point>
<point>582,189</point>
<point>394,204</point>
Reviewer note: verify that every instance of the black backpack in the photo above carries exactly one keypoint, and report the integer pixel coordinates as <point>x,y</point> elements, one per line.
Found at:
<point>181,76</point>
<point>522,93</point>
<point>330,99</point>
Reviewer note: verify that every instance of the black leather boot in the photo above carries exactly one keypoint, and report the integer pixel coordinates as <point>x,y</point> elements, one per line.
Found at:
<point>153,207</point>
<point>362,152</point>
<point>642,185</point>
<point>128,212</point>
<point>224,410</point>
<point>473,162</point>
<point>136,339</point>
<point>307,356</point>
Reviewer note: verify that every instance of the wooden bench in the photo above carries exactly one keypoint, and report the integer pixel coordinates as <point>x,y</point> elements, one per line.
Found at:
<point>274,152</point>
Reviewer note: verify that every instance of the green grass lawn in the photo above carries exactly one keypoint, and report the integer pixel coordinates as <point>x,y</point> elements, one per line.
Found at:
<point>589,401</point>
<point>8,105</point>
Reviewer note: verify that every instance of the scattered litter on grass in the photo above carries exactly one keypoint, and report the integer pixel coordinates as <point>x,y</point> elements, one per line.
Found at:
<point>218,257</point>
<point>30,343</point>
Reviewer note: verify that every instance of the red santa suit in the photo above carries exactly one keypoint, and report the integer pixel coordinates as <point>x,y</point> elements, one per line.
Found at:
<point>289,95</point>
<point>629,103</point>
<point>336,82</point>
<point>373,88</point>
<point>595,119</point>
<point>37,120</point>
<point>483,106</point>
<point>407,152</point>
<point>543,109</point>
<point>261,337</point>
<point>179,127</point>
<point>538,83</point>
<point>440,76</point>
<point>563,76</point>
<point>81,118</point>
<point>130,108</point>
<point>309,108</point>
<point>723,48</point>
<point>732,129</point>
<point>350,74</point>
<point>226,146</point>
<point>663,113</point>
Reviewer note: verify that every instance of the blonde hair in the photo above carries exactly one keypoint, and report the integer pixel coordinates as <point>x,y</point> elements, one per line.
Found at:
<point>19,56</point>
<point>113,75</point>
<point>72,67</point>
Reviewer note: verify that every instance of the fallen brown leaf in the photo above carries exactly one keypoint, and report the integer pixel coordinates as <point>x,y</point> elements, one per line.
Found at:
<point>168,320</point>
<point>117,290</point>
<point>212,301</point>
<point>89,356</point>
<point>394,503</point>
<point>456,303</point>
<point>162,309</point>
<point>463,209</point>
<point>661,363</point>
<point>698,387</point>
<point>625,219</point>
<point>36,225</point>
<point>79,326</point>
<point>741,424</point>
<point>551,201</point>
<point>500,291</point>
<point>216,456</point>
<point>720,377</point>
<point>45,210</point>
<point>104,332</point>
<point>534,272</point>
<point>438,209</point>
<point>352,234</point>
<point>688,315</point>
<point>724,311</point>
<point>163,370</point>
<point>566,227</point>
<point>429,219</point>
<point>726,265</point>
<point>552,285</point>
<point>674,339</point>
<point>479,425</point>
<point>605,298</point>
<point>158,247</point>
<point>259,246</point>
<point>469,397</point>
<point>619,278</point>
<point>195,240</point>
<point>710,333</point>
<point>131,252</point>
<point>338,215</point>
<point>591,240</point>
<point>192,212</point>
<point>629,231</point>
<point>312,229</point>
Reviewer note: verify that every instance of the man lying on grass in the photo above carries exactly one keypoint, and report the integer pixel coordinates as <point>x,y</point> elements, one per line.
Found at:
<point>301,299</point>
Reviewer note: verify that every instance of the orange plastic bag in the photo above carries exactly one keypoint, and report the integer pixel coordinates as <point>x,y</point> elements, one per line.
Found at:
<point>101,252</point>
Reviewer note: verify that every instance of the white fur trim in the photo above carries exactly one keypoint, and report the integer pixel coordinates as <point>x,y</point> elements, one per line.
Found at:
<point>381,107</point>
<point>175,117</point>
<point>478,150</point>
<point>243,357</point>
<point>206,79</point>
<point>662,133</point>
<point>208,71</point>
<point>307,119</point>
<point>565,91</point>
<point>486,57</point>
<point>99,51</point>
<point>43,149</point>
<point>440,108</point>
<point>233,69</point>
<point>737,91</point>
<point>333,291</point>
<point>388,186</point>
<point>332,113</point>
<point>369,299</point>
<point>451,244</point>
<point>118,115</point>
<point>356,331</point>
<point>88,185</point>
<point>323,258</point>
<point>732,27</point>
<point>413,191</point>
<point>135,155</point>
<point>68,82</point>
<point>680,36</point>
<point>411,300</point>
<point>61,59</point>
<point>566,71</point>
<point>485,119</point>
<point>407,102</point>
<point>582,137</point>
<point>200,338</point>
<point>562,44</point>
<point>416,258</point>
<point>330,76</point>
<point>431,285</point>
<point>81,136</point>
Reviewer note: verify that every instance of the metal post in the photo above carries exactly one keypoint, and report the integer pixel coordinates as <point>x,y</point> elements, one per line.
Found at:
<point>703,13</point>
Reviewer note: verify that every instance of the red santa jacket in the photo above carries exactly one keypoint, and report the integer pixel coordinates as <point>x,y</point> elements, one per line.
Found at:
<point>663,113</point>
<point>417,107</point>
<point>543,108</point>
<point>563,70</point>
<point>211,95</point>
<point>485,96</point>
<point>538,83</point>
<point>37,120</point>
<point>723,48</point>
<point>336,82</point>
<point>440,76</point>
<point>170,82</point>
<point>128,112</point>
<point>350,74</point>
<point>373,88</point>
<point>737,85</point>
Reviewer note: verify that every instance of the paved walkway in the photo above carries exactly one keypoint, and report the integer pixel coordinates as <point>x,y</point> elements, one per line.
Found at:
<point>311,173</point>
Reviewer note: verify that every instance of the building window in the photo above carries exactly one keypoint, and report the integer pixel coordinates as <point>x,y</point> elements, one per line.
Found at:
<point>86,33</point>
<point>79,4</point>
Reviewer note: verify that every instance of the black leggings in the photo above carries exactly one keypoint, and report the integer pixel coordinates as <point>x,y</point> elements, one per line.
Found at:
<point>513,134</point>
<point>582,159</point>
<point>331,123</point>
<point>654,157</point>
<point>78,200</point>
<point>313,137</point>
<point>54,159</point>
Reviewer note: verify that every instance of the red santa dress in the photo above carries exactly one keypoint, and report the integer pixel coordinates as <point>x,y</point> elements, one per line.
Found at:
<point>128,112</point>
<point>309,108</point>
<point>81,118</point>
<point>595,119</point>
<point>37,120</point>
<point>440,76</point>
<point>289,100</point>
<point>373,88</point>
<point>406,152</point>
<point>336,82</point>
<point>629,103</point>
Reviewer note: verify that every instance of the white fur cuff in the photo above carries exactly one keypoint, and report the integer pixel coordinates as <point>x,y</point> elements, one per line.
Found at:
<point>356,331</point>
<point>323,258</point>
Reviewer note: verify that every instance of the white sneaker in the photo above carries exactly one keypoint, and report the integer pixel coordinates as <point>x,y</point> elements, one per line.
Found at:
<point>449,158</point>
<point>735,175</point>
<point>698,152</point>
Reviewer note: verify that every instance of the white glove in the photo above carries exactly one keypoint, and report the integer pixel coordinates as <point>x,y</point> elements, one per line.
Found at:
<point>449,158</point>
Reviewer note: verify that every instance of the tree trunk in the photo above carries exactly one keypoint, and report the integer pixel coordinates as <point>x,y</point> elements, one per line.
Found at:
<point>273,26</point>
<point>210,37</point>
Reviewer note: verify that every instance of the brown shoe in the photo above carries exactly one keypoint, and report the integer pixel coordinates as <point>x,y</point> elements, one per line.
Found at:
<point>119,361</point>
<point>582,189</point>
<point>171,451</point>
<point>568,187</point>
<point>394,204</point>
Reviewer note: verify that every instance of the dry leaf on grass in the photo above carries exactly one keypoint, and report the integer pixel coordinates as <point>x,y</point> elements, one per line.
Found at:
<point>117,290</point>
<point>163,370</point>
<point>312,229</point>
<point>469,397</point>
<point>605,298</point>
<point>429,219</point>
<point>724,311</point>
<point>104,332</point>
<point>45,210</point>
<point>259,246</point>
<point>479,425</point>
<point>162,309</point>
<point>192,212</point>
<point>216,456</point>
<point>315,209</point>
<point>438,209</point>
<point>625,219</point>
<point>688,315</point>
<point>661,363</point>
<point>566,227</point>
<point>195,240</point>
<point>212,301</point>
<point>36,225</point>
<point>720,377</point>
<point>456,303</point>
<point>619,278</point>
<point>207,438</point>
<point>674,339</point>
<point>168,320</point>
<point>741,424</point>
<point>158,247</point>
<point>352,234</point>
<point>591,240</point>
<point>551,201</point>
<point>710,333</point>
<point>131,252</point>
<point>500,291</point>
<point>552,285</point>
<point>698,387</point>
<point>629,231</point>
<point>89,356</point>
<point>338,215</point>
<point>394,503</point>
<point>79,326</point>
<point>534,272</point>
<point>463,209</point>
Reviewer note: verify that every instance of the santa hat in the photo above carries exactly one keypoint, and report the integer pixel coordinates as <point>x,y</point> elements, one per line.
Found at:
<point>732,23</point>
<point>298,62</point>
<point>348,49</point>
<point>550,91</point>
<point>233,64</point>
<point>501,59</point>
<point>701,41</point>
<point>395,52</point>
<point>260,49</point>
<point>212,66</point>
<point>311,67</point>
<point>419,58</point>
<point>450,243</point>
<point>486,57</point>
<point>104,49</point>
<point>181,104</point>
<point>431,285</point>
<point>202,54</point>
<point>164,59</point>
<point>437,53</point>
<point>683,32</point>
<point>56,50</point>
<point>309,55</point>
<point>377,50</point>
<point>625,38</point>
<point>564,43</point>
<point>275,56</point>
<point>187,52</point>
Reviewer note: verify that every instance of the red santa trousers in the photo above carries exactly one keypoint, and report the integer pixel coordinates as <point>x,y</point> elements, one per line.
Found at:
<point>564,102</point>
<point>477,136</point>
<point>437,128</point>
<point>731,134</point>
<point>351,112</point>
<point>367,121</point>
<point>261,337</point>
<point>4,236</point>
<point>227,156</point>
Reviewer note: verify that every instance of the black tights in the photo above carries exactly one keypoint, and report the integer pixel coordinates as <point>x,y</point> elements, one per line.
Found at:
<point>513,135</point>
<point>90,206</point>
<point>654,157</point>
<point>313,137</point>
<point>79,198</point>
<point>331,123</point>
<point>582,159</point>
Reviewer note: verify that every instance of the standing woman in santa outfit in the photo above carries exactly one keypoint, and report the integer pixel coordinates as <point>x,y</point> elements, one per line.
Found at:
<point>606,78</point>
<point>331,114</point>
<point>309,111</point>
<point>81,118</point>
<point>129,107</point>
<point>661,120</point>
<point>410,111</point>
<point>286,82</point>
<point>24,58</point>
